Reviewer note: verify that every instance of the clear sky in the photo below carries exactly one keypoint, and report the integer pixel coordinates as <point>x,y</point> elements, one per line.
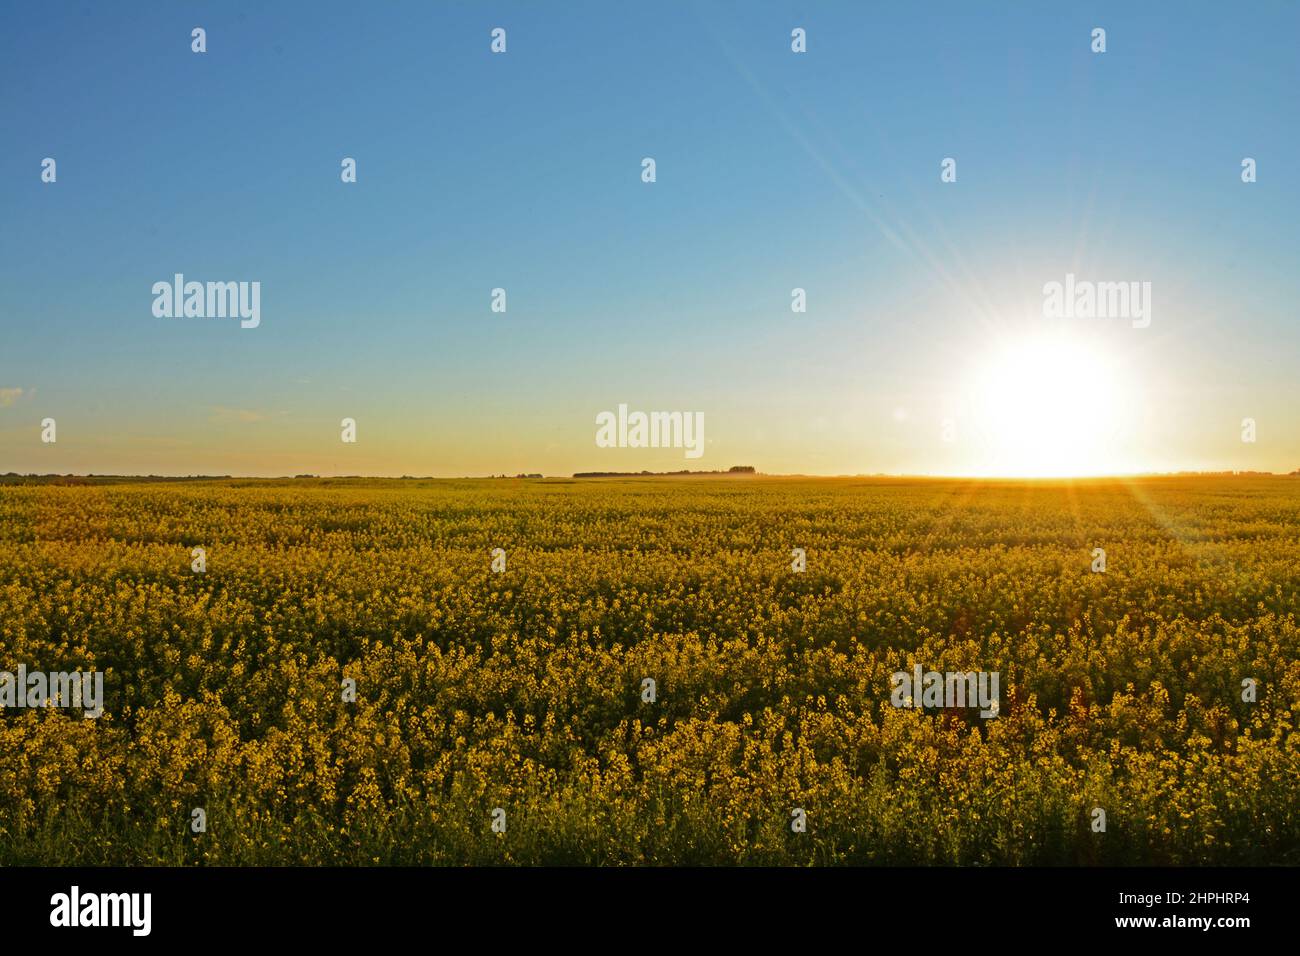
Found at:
<point>774,171</point>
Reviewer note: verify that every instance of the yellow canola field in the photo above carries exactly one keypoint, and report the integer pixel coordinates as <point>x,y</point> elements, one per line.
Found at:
<point>505,716</point>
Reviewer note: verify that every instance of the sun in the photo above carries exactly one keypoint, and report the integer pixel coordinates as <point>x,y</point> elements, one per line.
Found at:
<point>1046,406</point>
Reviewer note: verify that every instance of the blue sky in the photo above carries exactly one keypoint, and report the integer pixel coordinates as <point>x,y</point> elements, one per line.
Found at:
<point>774,171</point>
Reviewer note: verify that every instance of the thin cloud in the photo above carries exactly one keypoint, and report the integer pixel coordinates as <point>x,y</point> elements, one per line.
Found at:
<point>10,396</point>
<point>222,414</point>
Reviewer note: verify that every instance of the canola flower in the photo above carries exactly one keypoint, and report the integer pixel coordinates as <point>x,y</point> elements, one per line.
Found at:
<point>523,691</point>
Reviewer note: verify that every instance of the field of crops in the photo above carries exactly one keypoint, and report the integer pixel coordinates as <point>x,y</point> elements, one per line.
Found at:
<point>504,717</point>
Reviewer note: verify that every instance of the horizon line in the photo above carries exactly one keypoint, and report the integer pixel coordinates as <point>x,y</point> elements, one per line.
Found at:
<point>593,476</point>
